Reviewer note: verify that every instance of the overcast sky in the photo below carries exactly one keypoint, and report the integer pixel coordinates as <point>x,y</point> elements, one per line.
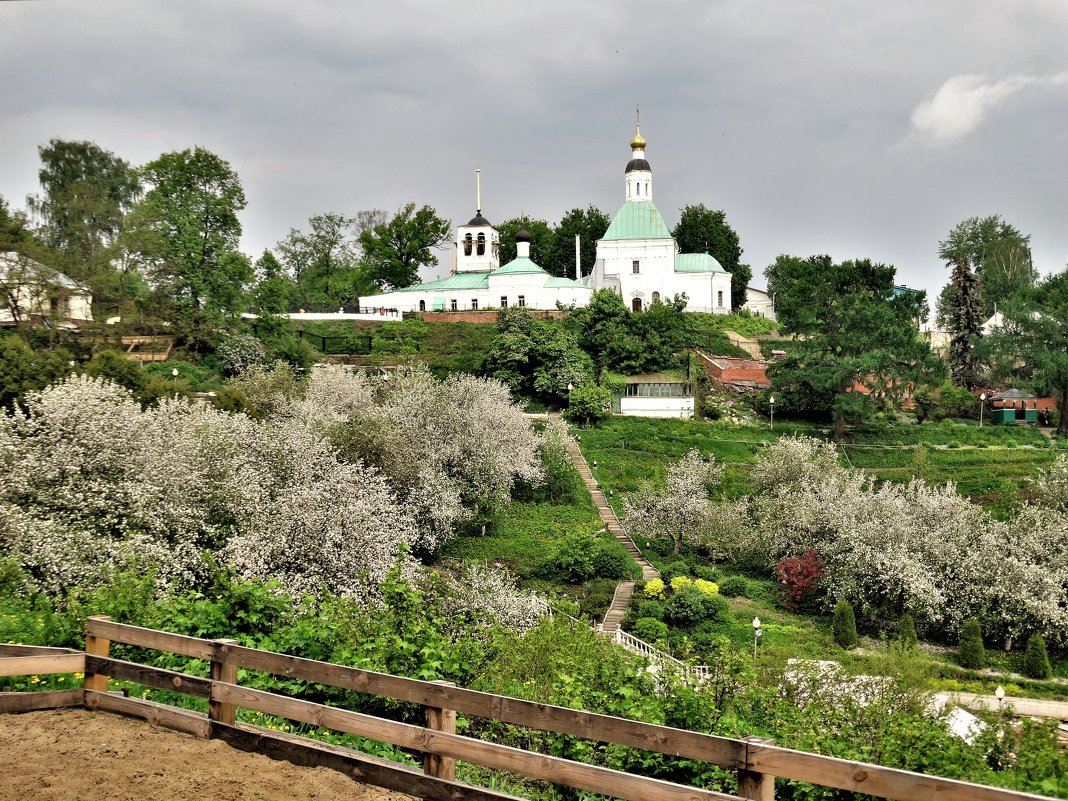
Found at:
<point>848,127</point>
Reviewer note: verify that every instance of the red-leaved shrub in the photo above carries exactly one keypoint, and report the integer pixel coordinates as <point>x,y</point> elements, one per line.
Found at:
<point>799,576</point>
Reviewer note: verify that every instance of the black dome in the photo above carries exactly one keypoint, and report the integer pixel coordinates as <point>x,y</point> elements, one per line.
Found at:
<point>638,164</point>
<point>478,219</point>
<point>522,235</point>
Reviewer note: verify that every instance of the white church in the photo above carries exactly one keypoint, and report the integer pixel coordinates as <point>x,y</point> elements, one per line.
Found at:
<point>637,257</point>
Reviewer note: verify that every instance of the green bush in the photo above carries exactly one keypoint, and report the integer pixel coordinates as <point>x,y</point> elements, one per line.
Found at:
<point>970,653</point>
<point>653,609</point>
<point>611,560</point>
<point>293,351</point>
<point>1036,661</point>
<point>231,399</point>
<point>706,572</point>
<point>597,598</point>
<point>844,624</point>
<point>23,369</point>
<point>690,606</point>
<point>589,405</point>
<point>673,570</point>
<point>650,629</point>
<point>734,587</point>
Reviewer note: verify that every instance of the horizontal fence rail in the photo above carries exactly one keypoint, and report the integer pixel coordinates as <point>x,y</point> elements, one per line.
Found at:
<point>758,761</point>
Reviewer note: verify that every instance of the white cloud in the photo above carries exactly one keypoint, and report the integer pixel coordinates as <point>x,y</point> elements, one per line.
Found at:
<point>963,102</point>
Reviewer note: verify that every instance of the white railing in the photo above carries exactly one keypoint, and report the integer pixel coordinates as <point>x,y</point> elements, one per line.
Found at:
<point>658,658</point>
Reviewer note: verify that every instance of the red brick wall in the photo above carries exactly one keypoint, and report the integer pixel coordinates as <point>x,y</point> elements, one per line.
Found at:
<point>727,369</point>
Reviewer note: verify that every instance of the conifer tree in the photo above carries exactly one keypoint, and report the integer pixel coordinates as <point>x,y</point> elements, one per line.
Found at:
<point>964,319</point>
<point>1036,662</point>
<point>970,653</point>
<point>905,636</point>
<point>845,625</point>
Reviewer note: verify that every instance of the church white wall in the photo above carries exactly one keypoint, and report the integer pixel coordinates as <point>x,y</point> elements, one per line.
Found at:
<point>531,287</point>
<point>474,263</point>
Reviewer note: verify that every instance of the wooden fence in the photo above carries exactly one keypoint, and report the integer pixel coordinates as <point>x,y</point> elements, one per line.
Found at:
<point>757,761</point>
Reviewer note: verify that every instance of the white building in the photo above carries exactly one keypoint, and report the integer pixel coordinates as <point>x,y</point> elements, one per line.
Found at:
<point>637,257</point>
<point>759,303</point>
<point>31,291</point>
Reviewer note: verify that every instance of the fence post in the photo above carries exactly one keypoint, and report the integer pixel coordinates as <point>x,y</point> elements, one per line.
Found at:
<point>96,646</point>
<point>444,720</point>
<point>222,670</point>
<point>753,784</point>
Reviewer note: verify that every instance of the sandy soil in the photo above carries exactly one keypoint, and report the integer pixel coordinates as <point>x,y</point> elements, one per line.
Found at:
<point>91,756</point>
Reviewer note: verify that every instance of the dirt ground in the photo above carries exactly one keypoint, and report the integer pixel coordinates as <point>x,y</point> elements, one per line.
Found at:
<point>91,756</point>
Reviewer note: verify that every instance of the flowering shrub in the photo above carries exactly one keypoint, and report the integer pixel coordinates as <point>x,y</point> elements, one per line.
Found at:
<point>910,547</point>
<point>706,587</point>
<point>238,354</point>
<point>800,576</point>
<point>680,583</point>
<point>654,589</point>
<point>681,509</point>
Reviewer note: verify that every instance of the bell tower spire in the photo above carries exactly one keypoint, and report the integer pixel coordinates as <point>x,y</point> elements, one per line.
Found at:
<point>639,175</point>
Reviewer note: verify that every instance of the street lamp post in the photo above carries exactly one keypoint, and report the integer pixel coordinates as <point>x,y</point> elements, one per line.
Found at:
<point>174,373</point>
<point>982,404</point>
<point>771,400</point>
<point>756,635</point>
<point>999,693</point>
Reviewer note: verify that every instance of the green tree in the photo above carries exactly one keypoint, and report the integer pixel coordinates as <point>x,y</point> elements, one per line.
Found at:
<point>394,251</point>
<point>589,225</point>
<point>860,348</point>
<point>844,625</point>
<point>23,369</point>
<point>970,652</point>
<point>542,238</point>
<point>1036,661</point>
<point>324,261</point>
<point>1031,347</point>
<point>702,230</point>
<point>589,405</point>
<point>602,328</point>
<point>999,252</point>
<point>86,193</point>
<point>905,636</point>
<point>188,234</point>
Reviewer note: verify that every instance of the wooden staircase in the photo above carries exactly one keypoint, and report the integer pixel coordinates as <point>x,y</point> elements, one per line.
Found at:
<point>614,616</point>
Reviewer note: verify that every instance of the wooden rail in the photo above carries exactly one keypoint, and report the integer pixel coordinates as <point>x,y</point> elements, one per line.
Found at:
<point>757,761</point>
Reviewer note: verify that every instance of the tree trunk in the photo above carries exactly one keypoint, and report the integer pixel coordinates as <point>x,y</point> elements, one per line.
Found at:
<point>839,428</point>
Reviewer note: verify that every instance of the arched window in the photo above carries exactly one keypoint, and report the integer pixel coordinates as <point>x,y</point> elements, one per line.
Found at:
<point>656,297</point>
<point>636,305</point>
<point>467,245</point>
<point>481,250</point>
<point>422,305</point>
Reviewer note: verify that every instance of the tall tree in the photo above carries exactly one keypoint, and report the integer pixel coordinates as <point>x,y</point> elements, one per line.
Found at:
<point>1031,346</point>
<point>187,233</point>
<point>590,225</point>
<point>325,260</point>
<point>962,315</point>
<point>394,251</point>
<point>274,289</point>
<point>999,253</point>
<point>86,193</point>
<point>542,238</point>
<point>702,230</point>
<point>860,347</point>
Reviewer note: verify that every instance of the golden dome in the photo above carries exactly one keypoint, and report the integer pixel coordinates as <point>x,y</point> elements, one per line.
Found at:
<point>638,142</point>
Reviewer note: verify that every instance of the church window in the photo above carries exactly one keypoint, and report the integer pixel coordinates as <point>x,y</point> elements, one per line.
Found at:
<point>452,304</point>
<point>422,305</point>
<point>656,297</point>
<point>481,250</point>
<point>636,305</point>
<point>719,298</point>
<point>474,303</point>
<point>467,245</point>
<point>647,189</point>
<point>504,301</point>
<point>522,300</point>
<point>635,268</point>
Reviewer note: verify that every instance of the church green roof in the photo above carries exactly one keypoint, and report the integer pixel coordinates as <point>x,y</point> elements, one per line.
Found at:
<point>518,266</point>
<point>458,281</point>
<point>558,282</point>
<point>697,263</point>
<point>638,219</point>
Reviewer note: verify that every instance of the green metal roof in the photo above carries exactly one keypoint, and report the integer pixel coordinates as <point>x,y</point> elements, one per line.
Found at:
<point>638,219</point>
<point>458,281</point>
<point>557,282</point>
<point>517,266</point>
<point>697,263</point>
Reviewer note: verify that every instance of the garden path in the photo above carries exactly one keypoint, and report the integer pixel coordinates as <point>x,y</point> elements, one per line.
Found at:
<point>614,616</point>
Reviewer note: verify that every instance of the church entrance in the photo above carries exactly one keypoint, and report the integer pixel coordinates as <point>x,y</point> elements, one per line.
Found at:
<point>636,305</point>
